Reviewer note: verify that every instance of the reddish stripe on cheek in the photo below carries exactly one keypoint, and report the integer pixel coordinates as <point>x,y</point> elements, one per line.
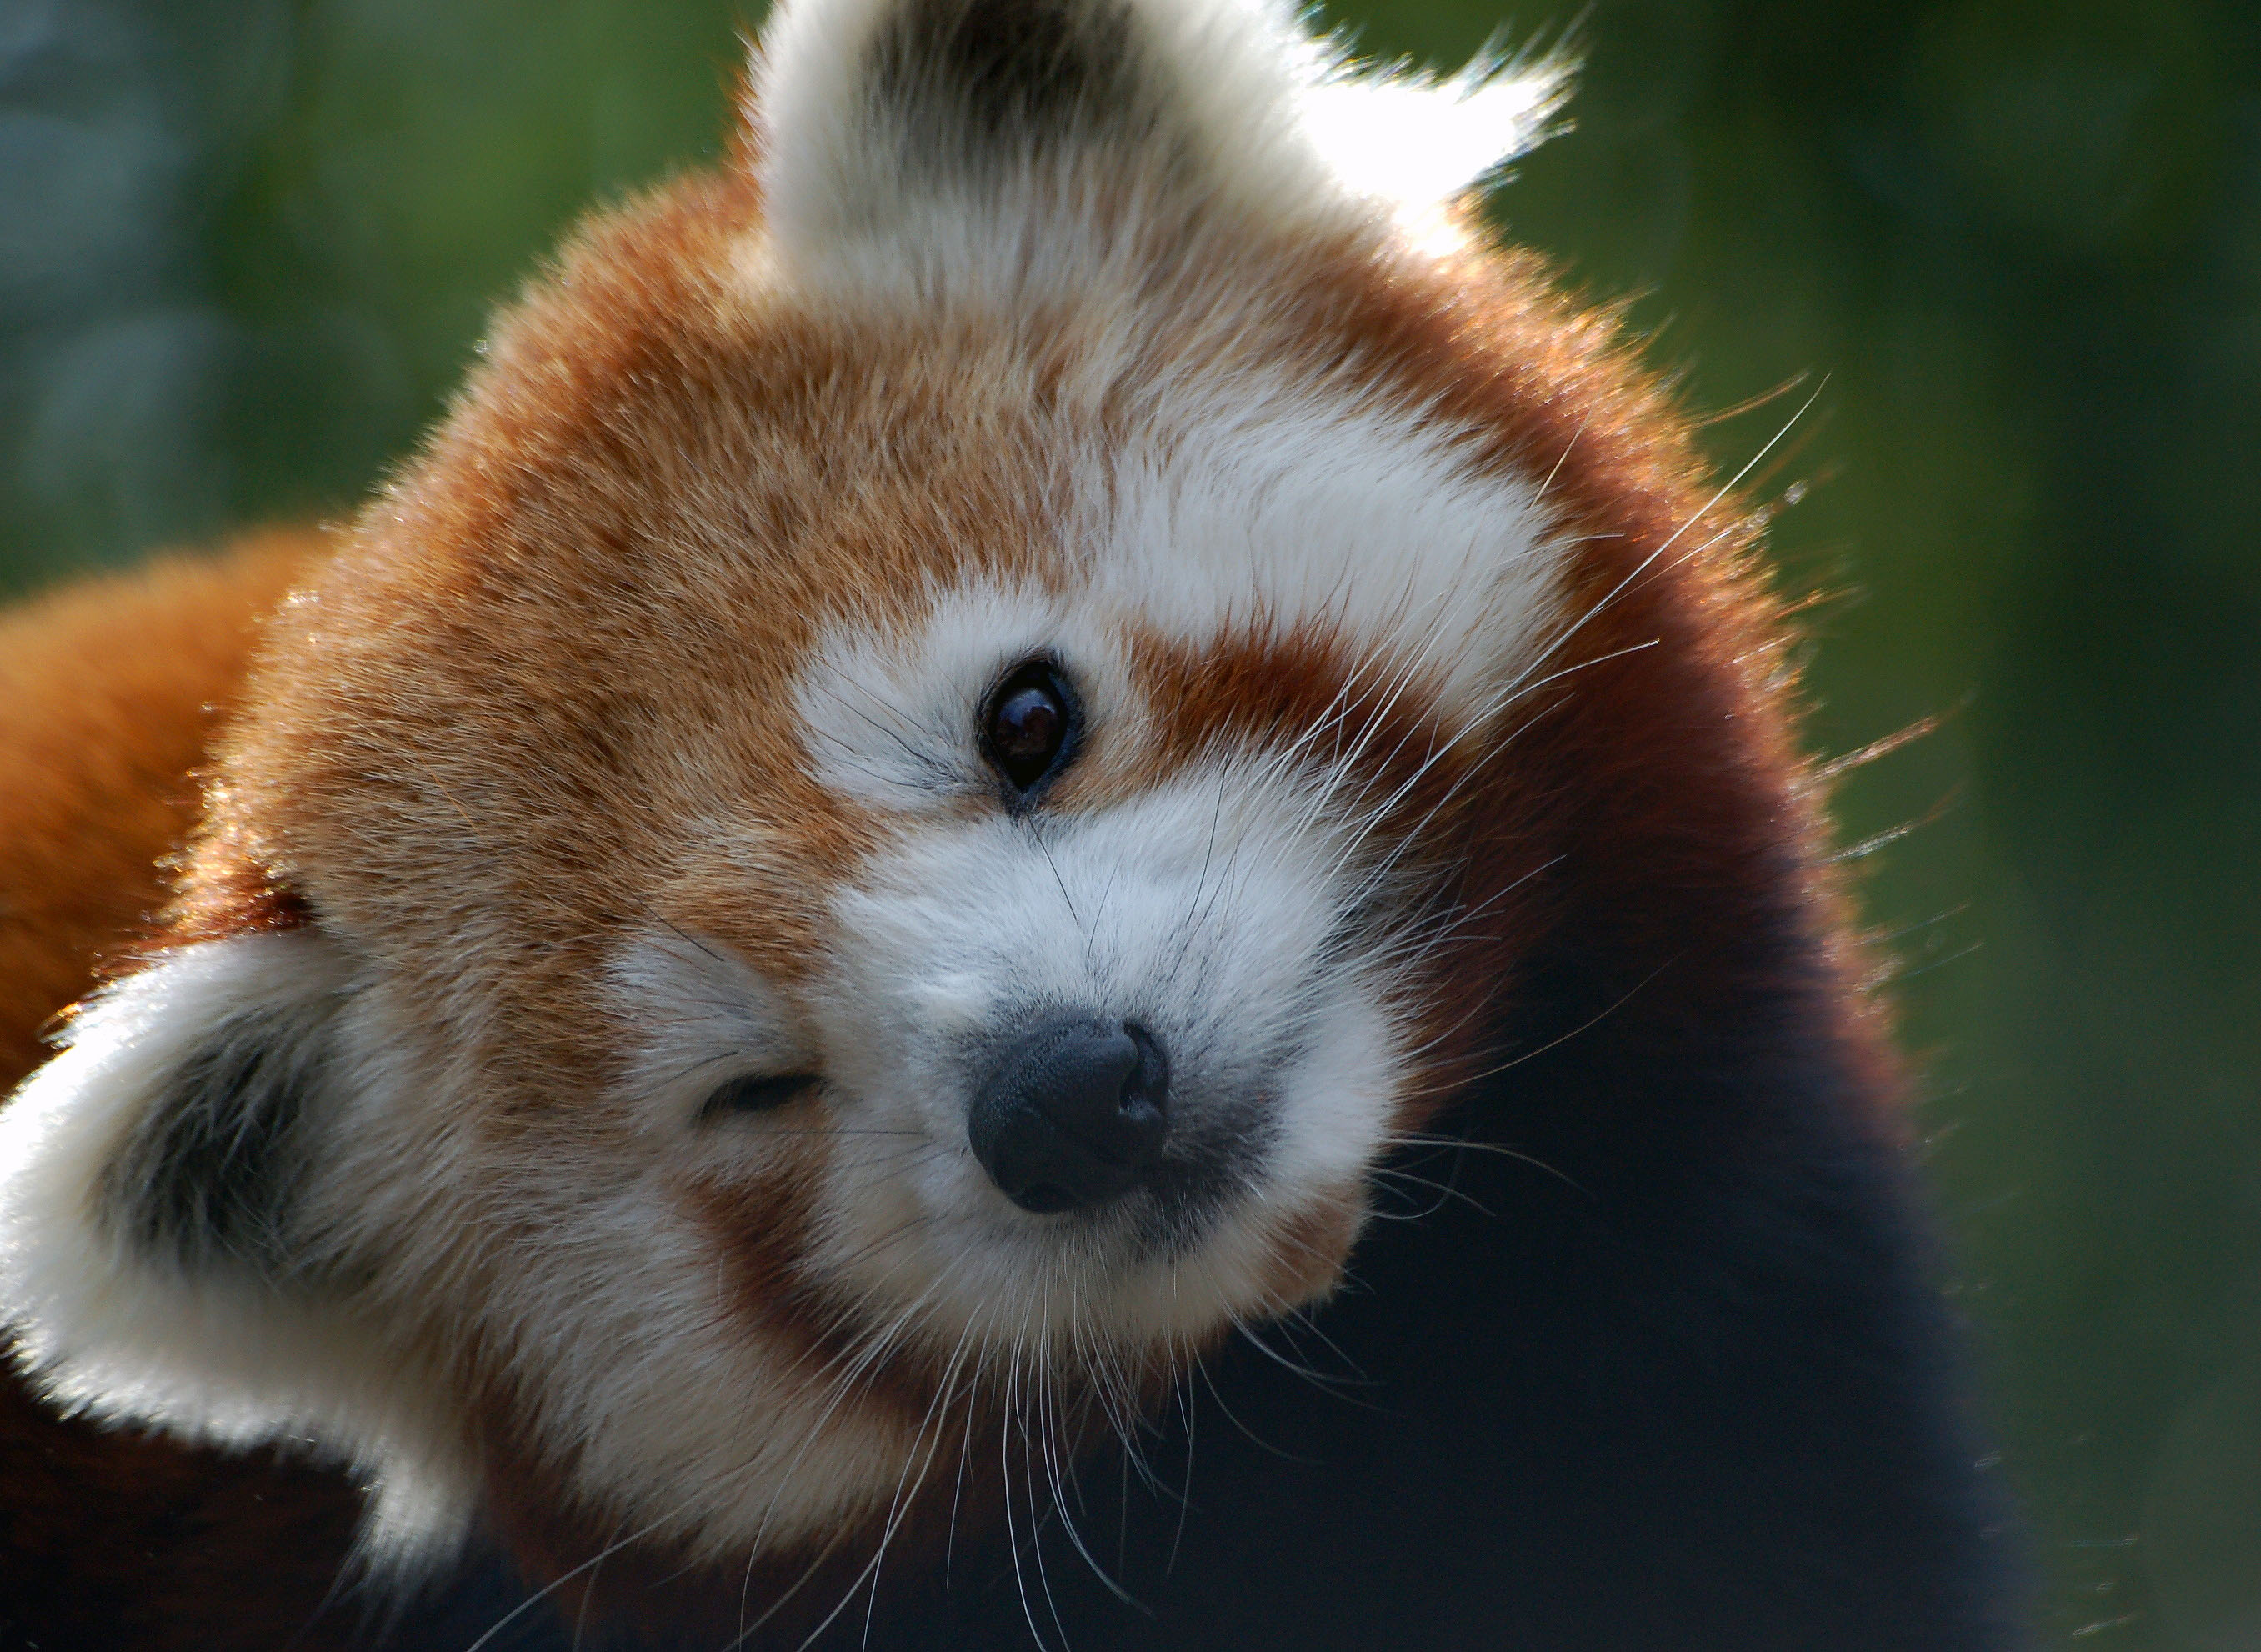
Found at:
<point>1310,1248</point>
<point>761,1230</point>
<point>1257,689</point>
<point>1304,693</point>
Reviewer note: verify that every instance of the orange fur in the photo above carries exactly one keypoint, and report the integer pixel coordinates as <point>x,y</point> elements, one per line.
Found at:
<point>109,692</point>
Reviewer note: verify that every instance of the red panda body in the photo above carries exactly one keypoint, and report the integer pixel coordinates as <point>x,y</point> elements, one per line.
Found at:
<point>979,731</point>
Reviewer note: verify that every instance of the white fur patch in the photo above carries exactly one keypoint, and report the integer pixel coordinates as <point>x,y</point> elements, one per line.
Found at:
<point>633,1371</point>
<point>649,1392</point>
<point>1253,502</point>
<point>1277,122</point>
<point>705,1017</point>
<point>1417,141</point>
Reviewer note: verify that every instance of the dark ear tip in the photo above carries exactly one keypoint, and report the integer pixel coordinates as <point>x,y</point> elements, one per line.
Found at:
<point>1015,65</point>
<point>210,1168</point>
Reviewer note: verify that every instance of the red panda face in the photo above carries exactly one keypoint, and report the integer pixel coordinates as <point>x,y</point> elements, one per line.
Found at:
<point>964,903</point>
<point>892,819</point>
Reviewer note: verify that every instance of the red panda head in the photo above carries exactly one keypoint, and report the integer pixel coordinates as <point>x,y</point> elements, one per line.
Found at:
<point>951,740</point>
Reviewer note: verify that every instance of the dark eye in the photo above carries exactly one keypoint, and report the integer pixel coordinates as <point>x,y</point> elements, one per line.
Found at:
<point>758,1095</point>
<point>1029,732</point>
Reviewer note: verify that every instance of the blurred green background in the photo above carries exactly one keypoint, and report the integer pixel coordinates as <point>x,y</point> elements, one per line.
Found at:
<point>246,245</point>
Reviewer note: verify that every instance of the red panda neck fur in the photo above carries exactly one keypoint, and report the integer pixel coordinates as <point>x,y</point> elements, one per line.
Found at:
<point>1418,702</point>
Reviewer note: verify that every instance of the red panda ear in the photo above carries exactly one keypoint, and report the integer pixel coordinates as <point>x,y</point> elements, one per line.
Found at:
<point>873,115</point>
<point>163,1259</point>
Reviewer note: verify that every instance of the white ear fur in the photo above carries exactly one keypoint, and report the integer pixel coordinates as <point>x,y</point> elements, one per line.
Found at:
<point>117,1313</point>
<point>866,118</point>
<point>1415,141</point>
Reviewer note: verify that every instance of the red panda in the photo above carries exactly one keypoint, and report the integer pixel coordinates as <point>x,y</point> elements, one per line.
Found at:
<point>837,915</point>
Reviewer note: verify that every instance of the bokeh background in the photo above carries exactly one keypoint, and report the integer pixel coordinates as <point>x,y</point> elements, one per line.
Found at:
<point>246,245</point>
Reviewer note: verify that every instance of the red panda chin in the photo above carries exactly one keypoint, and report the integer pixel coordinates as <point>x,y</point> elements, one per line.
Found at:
<point>971,726</point>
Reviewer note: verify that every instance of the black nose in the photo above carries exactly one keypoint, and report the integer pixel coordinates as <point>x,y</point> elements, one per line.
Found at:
<point>1074,1115</point>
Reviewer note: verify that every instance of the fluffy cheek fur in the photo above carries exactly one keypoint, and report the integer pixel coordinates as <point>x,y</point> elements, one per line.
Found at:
<point>644,1387</point>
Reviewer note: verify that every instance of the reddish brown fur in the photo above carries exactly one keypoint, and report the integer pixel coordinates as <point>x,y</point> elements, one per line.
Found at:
<point>761,1230</point>
<point>109,693</point>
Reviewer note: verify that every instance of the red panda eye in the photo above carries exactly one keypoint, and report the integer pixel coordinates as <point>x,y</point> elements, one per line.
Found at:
<point>758,1094</point>
<point>1029,730</point>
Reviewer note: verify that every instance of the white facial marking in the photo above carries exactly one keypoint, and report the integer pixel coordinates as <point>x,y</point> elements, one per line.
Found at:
<point>704,1017</point>
<point>1276,507</point>
<point>891,722</point>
